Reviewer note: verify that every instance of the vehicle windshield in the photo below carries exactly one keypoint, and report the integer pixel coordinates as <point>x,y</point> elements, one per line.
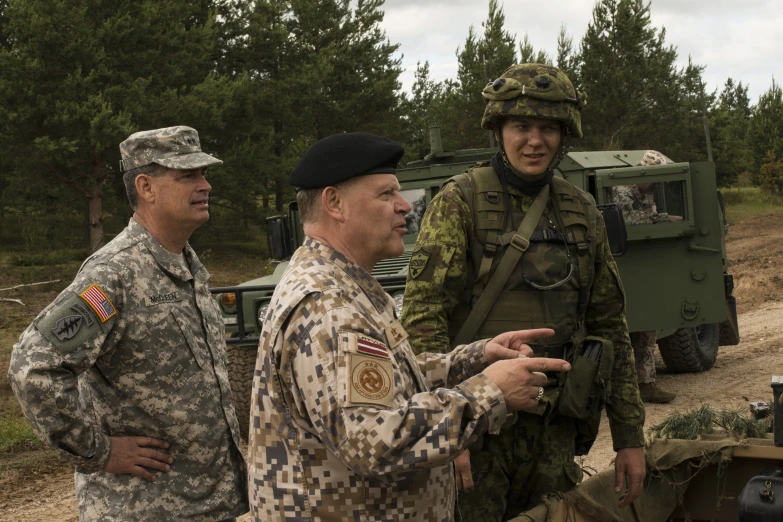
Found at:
<point>418,202</point>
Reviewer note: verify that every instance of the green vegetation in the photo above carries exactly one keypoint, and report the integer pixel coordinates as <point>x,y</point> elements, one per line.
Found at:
<point>263,79</point>
<point>705,420</point>
<point>746,202</point>
<point>15,432</point>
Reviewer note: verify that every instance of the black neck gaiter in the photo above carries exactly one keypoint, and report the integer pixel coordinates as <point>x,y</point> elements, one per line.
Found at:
<point>531,188</point>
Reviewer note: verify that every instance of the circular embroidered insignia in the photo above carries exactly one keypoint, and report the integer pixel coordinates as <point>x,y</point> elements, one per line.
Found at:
<point>370,380</point>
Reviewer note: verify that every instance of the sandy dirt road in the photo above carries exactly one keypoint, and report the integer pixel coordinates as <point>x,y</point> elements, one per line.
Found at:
<point>741,374</point>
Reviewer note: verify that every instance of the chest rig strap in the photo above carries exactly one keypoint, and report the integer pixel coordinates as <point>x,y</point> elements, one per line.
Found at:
<point>517,246</point>
<point>483,192</point>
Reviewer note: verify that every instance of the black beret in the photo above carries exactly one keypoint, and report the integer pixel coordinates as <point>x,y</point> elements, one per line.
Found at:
<point>344,156</point>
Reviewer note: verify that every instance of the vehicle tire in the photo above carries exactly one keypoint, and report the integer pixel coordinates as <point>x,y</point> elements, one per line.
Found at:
<point>690,350</point>
<point>241,364</point>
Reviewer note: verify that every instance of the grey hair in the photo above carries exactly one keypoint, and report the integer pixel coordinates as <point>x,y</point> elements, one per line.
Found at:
<point>309,200</point>
<point>129,179</point>
<point>309,203</point>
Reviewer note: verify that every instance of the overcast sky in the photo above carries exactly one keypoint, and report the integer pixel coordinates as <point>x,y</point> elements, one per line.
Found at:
<point>741,39</point>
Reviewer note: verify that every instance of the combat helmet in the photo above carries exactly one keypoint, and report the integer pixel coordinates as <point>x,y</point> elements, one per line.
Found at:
<point>536,90</point>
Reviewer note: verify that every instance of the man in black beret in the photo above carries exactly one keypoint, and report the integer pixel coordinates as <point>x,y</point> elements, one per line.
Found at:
<point>345,422</point>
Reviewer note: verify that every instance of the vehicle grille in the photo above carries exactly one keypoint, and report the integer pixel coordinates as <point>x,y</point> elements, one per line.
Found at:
<point>393,266</point>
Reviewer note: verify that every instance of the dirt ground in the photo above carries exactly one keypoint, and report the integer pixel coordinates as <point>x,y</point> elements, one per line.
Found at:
<point>44,491</point>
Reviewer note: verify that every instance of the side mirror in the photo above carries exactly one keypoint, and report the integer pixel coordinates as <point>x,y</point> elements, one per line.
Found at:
<point>278,237</point>
<point>615,227</point>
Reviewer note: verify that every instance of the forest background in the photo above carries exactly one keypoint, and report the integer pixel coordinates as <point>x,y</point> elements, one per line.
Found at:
<point>261,80</point>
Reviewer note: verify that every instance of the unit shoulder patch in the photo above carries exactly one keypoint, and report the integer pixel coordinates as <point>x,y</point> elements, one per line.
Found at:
<point>418,262</point>
<point>370,380</point>
<point>70,323</point>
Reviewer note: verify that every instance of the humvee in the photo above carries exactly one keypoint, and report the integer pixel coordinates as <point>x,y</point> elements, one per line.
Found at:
<point>674,273</point>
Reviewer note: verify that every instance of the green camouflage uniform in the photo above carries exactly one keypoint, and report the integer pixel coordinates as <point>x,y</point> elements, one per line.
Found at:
<point>135,347</point>
<point>346,424</point>
<point>536,453</point>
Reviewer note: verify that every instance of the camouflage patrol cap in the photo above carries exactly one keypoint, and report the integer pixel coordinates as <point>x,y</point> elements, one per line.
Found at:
<point>172,147</point>
<point>535,90</point>
<point>653,157</point>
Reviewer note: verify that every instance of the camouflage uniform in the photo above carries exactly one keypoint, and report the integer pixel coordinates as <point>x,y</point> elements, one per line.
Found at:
<point>344,425</point>
<point>135,346</point>
<point>538,450</point>
<point>639,208</point>
<point>535,455</point>
<point>637,205</point>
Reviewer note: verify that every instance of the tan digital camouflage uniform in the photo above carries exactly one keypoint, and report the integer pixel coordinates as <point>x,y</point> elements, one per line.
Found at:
<point>135,346</point>
<point>536,453</point>
<point>345,423</point>
<point>639,208</point>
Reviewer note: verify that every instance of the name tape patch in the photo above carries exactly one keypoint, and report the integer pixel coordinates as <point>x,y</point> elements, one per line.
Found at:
<point>99,302</point>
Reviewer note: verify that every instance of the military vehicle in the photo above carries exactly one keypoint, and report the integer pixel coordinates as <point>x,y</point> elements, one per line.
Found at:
<point>674,273</point>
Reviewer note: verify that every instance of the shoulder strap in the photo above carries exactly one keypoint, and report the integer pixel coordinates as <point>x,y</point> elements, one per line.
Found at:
<point>518,245</point>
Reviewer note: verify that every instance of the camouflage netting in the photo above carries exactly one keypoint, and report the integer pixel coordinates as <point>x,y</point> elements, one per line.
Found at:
<point>671,464</point>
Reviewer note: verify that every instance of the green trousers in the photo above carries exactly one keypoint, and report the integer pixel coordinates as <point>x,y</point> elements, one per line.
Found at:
<point>512,470</point>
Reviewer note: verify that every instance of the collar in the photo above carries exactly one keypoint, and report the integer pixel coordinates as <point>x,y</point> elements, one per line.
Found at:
<point>371,287</point>
<point>169,262</point>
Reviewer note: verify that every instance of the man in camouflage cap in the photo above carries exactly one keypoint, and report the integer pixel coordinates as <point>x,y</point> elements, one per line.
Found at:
<point>638,206</point>
<point>125,372</point>
<point>346,423</point>
<point>507,245</point>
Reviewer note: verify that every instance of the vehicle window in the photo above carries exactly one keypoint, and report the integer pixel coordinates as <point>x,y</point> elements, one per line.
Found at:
<point>418,203</point>
<point>650,203</point>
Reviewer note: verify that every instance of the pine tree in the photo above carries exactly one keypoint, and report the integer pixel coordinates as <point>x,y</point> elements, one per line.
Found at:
<point>628,73</point>
<point>765,129</point>
<point>418,111</point>
<point>729,127</point>
<point>771,173</point>
<point>314,68</point>
<point>527,54</point>
<point>480,60</point>
<point>80,76</point>
<point>566,58</point>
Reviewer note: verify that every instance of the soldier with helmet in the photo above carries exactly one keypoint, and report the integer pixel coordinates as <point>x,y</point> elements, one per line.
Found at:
<point>505,246</point>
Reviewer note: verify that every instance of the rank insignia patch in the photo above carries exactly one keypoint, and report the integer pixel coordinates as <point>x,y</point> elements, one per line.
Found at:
<point>67,327</point>
<point>98,301</point>
<point>418,261</point>
<point>395,334</point>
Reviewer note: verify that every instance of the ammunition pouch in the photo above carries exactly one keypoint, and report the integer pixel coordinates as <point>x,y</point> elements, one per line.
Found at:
<point>586,389</point>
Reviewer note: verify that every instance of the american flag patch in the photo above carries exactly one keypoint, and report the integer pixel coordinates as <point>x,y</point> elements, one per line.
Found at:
<point>99,302</point>
<point>370,346</point>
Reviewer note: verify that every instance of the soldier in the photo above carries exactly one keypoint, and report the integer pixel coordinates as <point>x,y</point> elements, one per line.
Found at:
<point>507,245</point>
<point>638,205</point>
<point>345,423</point>
<point>125,372</point>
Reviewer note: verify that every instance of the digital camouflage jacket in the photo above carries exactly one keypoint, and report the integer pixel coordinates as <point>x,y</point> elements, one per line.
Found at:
<point>432,296</point>
<point>346,424</point>
<point>135,347</point>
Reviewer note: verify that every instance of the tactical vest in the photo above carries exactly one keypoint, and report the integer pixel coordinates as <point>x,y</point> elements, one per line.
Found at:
<point>562,247</point>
